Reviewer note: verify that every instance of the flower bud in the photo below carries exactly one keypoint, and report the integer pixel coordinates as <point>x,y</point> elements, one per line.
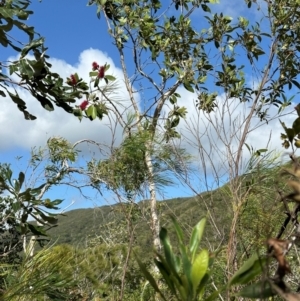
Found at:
<point>83,105</point>
<point>101,72</point>
<point>95,66</point>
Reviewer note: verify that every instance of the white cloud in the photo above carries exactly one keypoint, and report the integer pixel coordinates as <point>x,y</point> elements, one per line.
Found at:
<point>218,133</point>
<point>15,131</point>
<point>237,8</point>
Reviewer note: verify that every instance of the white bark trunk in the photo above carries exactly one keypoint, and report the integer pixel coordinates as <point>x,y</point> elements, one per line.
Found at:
<point>155,226</point>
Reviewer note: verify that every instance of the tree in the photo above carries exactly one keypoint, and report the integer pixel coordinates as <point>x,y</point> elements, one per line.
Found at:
<point>167,59</point>
<point>164,55</point>
<point>27,211</point>
<point>31,71</point>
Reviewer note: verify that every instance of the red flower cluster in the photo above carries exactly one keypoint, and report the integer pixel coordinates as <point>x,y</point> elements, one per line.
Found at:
<point>101,72</point>
<point>101,69</point>
<point>83,105</point>
<point>95,66</point>
<point>73,79</point>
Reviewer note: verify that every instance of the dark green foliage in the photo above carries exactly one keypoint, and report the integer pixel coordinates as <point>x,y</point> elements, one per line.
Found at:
<point>33,71</point>
<point>23,204</point>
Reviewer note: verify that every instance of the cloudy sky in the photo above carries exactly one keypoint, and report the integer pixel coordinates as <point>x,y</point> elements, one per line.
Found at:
<point>76,38</point>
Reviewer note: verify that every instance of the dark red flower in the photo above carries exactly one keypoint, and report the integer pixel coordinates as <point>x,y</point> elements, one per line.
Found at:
<point>101,72</point>
<point>95,66</point>
<point>73,79</point>
<point>83,105</point>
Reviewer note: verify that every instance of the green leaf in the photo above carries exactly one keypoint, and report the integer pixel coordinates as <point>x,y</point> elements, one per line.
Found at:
<point>52,204</point>
<point>199,268</point>
<point>49,219</point>
<point>37,230</point>
<point>46,103</point>
<point>22,14</point>
<point>21,178</point>
<point>37,190</point>
<point>57,202</point>
<point>283,124</point>
<point>259,151</point>
<point>78,113</point>
<point>149,277</point>
<point>34,44</point>
<point>260,290</point>
<point>110,77</point>
<point>186,264</point>
<point>93,73</point>
<point>205,8</point>
<point>291,134</point>
<point>96,83</point>
<point>214,296</point>
<point>172,271</point>
<point>178,230</point>
<point>7,173</point>
<point>196,237</point>
<point>297,143</point>
<point>296,126</point>
<point>7,27</point>
<point>91,112</point>
<point>26,68</point>
<point>7,13</point>
<point>296,84</point>
<point>166,275</point>
<point>249,270</point>
<point>202,285</point>
<point>188,86</point>
<point>16,99</point>
<point>16,206</point>
<point>169,255</point>
<point>13,68</point>
<point>101,110</point>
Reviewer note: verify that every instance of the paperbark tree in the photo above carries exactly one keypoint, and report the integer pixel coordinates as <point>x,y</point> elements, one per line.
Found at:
<point>162,49</point>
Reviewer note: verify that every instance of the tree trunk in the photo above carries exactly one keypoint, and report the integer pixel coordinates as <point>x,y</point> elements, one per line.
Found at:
<point>155,226</point>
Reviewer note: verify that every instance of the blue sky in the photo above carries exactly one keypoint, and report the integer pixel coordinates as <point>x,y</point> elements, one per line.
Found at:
<point>75,38</point>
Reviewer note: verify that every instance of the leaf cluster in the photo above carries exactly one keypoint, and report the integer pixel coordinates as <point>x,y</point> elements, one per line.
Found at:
<point>24,203</point>
<point>186,275</point>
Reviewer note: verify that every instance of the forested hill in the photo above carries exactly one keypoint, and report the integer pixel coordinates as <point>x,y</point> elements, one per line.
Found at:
<point>108,223</point>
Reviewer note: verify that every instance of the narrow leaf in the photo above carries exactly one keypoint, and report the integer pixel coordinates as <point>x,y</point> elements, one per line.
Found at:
<point>21,178</point>
<point>250,269</point>
<point>37,230</point>
<point>196,237</point>
<point>169,255</point>
<point>260,290</point>
<point>149,277</point>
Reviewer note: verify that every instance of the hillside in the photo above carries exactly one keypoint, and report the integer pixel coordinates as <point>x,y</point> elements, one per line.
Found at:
<point>108,223</point>
<point>78,226</point>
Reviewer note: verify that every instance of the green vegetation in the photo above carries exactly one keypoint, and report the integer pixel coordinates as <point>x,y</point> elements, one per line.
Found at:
<point>235,75</point>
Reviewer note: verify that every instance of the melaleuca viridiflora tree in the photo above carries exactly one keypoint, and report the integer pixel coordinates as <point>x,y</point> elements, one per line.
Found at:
<point>164,47</point>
